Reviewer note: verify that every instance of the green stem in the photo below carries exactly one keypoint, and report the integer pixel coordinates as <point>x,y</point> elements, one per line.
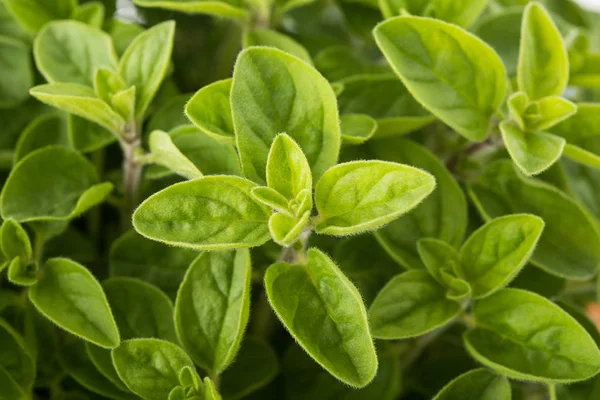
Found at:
<point>132,174</point>
<point>552,391</point>
<point>38,248</point>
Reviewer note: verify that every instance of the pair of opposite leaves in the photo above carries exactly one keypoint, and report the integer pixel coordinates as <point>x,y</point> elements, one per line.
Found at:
<point>467,91</point>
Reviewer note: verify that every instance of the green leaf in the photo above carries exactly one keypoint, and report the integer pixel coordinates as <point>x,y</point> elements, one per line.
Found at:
<point>169,116</point>
<point>16,75</point>
<point>51,184</point>
<point>478,383</point>
<point>140,309</point>
<point>365,195</point>
<point>274,92</point>
<point>70,51</point>
<point>288,171</point>
<point>81,101</point>
<point>69,295</point>
<point>270,38</point>
<point>455,75</point>
<point>442,215</point>
<point>271,198</point>
<point>134,256</point>
<point>122,33</point>
<point>285,230</point>
<point>255,366</point>
<point>525,336</point>
<point>107,83</point>
<point>357,128</point>
<point>16,362</point>
<point>87,136</point>
<point>324,312</point>
<point>547,112</point>
<point>543,68</point>
<point>34,14</point>
<point>583,124</point>
<point>386,99</point>
<point>212,307</point>
<point>437,256</point>
<point>102,361</point>
<point>568,246</point>
<point>234,9</point>
<point>150,367</point>
<point>164,152</point>
<point>209,213</point>
<point>76,363</point>
<point>91,13</point>
<point>458,12</point>
<point>340,62</point>
<point>45,130</point>
<point>10,389</point>
<point>144,64</point>
<point>495,253</point>
<point>533,153</point>
<point>22,272</point>
<point>304,379</point>
<point>210,110</point>
<point>15,241</point>
<point>410,305</point>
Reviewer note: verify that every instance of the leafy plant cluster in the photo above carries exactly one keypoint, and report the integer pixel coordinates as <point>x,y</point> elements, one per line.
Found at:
<point>392,199</point>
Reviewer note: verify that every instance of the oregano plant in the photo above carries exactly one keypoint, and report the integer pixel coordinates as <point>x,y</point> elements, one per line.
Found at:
<point>299,199</point>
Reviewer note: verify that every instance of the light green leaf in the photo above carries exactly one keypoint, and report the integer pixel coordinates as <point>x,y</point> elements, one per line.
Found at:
<point>102,361</point>
<point>324,312</point>
<point>288,171</point>
<point>455,75</point>
<point>547,112</point>
<point>81,101</point>
<point>209,109</point>
<point>357,128</point>
<point>270,38</point>
<point>34,14</point>
<point>534,152</point>
<point>234,9</point>
<point>87,136</point>
<point>122,33</point>
<point>386,99</point>
<point>478,383</point>
<point>365,195</point>
<point>150,367</point>
<point>144,64</point>
<point>212,307</point>
<point>570,244</point>
<point>495,253</point>
<point>134,256</point>
<point>340,62</point>
<point>16,75</point>
<point>91,13</point>
<point>410,305</point>
<point>70,51</point>
<point>140,309</point>
<point>123,102</point>
<point>51,184</point>
<point>543,68</point>
<point>15,241</point>
<point>46,130</point>
<point>442,263</point>
<point>525,336</point>
<point>274,92</point>
<point>164,152</point>
<point>209,213</point>
<point>107,83</point>
<point>458,12</point>
<point>255,366</point>
<point>271,198</point>
<point>517,104</point>
<point>285,230</point>
<point>22,272</point>
<point>442,215</point>
<point>16,362</point>
<point>69,295</point>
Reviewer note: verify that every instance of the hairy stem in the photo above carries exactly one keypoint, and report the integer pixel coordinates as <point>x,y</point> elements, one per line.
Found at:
<point>132,174</point>
<point>552,391</point>
<point>38,247</point>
